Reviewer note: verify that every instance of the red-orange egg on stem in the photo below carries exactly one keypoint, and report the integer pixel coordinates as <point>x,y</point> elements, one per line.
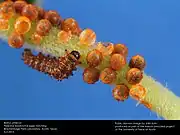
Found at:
<point>117,61</point>
<point>4,24</point>
<point>22,25</point>
<point>16,40</point>
<point>87,37</point>
<point>30,11</point>
<point>121,49</point>
<point>71,25</point>
<point>137,61</point>
<point>6,10</point>
<point>91,75</point>
<point>18,5</point>
<point>134,76</point>
<point>53,17</point>
<point>64,36</point>
<point>108,76</point>
<point>36,38</point>
<point>120,92</point>
<point>43,27</point>
<point>138,92</point>
<point>94,58</point>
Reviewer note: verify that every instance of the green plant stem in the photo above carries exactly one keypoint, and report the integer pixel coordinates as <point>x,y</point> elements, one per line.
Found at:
<point>164,102</point>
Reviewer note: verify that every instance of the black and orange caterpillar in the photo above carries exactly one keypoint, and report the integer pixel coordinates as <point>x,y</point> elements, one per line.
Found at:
<point>58,68</point>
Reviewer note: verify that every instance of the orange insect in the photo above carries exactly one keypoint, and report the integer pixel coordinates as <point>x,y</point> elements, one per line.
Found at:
<point>94,58</point>
<point>117,61</point>
<point>108,76</point>
<point>121,92</point>
<point>22,25</point>
<point>134,76</point>
<point>91,75</point>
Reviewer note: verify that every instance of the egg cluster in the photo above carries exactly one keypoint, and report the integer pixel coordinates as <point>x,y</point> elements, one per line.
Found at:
<point>26,15</point>
<point>117,54</point>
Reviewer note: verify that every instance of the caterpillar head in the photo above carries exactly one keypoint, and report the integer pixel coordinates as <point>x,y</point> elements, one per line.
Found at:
<point>76,54</point>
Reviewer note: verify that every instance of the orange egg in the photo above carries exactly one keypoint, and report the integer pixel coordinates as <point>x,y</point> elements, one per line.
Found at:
<point>137,61</point>
<point>109,49</point>
<point>138,92</point>
<point>121,49</point>
<point>117,61</point>
<point>22,25</point>
<point>108,76</point>
<point>4,24</point>
<point>134,76</point>
<point>91,75</point>
<point>71,25</point>
<point>64,36</point>
<point>6,10</point>
<point>43,27</point>
<point>36,38</point>
<point>53,17</point>
<point>30,11</point>
<point>18,5</point>
<point>120,92</point>
<point>41,13</point>
<point>87,37</point>
<point>15,40</point>
<point>94,58</point>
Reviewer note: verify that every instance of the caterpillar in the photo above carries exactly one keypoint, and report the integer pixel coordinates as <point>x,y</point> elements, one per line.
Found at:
<point>57,68</point>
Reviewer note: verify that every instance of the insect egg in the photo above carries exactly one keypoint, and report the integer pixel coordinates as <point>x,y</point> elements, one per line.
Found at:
<point>18,5</point>
<point>4,25</point>
<point>64,36</point>
<point>43,27</point>
<point>41,13</point>
<point>117,61</point>
<point>94,58</point>
<point>137,92</point>
<point>30,11</point>
<point>53,17</point>
<point>22,25</point>
<point>36,38</point>
<point>15,40</point>
<point>91,75</point>
<point>121,92</point>
<point>108,76</point>
<point>137,61</point>
<point>121,49</point>
<point>71,25</point>
<point>134,76</point>
<point>109,49</point>
<point>6,10</point>
<point>87,37</point>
